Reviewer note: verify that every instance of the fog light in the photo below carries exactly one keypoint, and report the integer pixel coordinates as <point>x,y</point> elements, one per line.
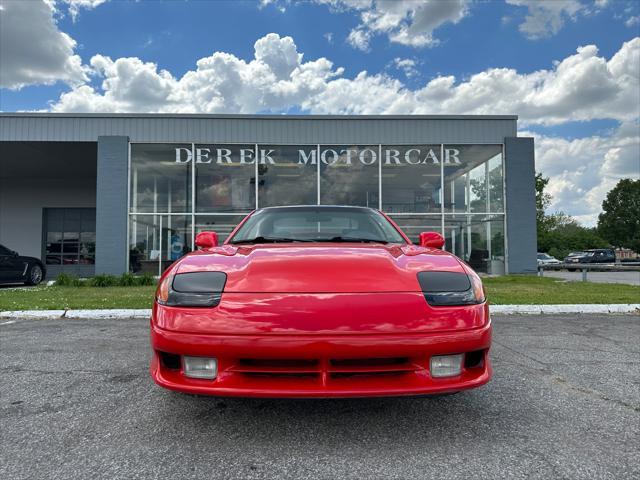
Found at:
<point>446,365</point>
<point>200,367</point>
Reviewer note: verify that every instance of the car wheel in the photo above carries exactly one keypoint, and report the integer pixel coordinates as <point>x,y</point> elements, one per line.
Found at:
<point>34,277</point>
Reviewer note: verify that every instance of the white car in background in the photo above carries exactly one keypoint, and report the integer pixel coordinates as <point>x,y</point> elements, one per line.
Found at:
<point>546,259</point>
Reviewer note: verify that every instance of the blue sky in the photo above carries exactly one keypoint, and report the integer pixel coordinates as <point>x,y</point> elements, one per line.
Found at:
<point>440,56</point>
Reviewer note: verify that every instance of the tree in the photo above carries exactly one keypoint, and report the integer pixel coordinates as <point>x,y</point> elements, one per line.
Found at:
<point>479,189</point>
<point>570,237</point>
<point>619,221</point>
<point>559,233</point>
<point>543,200</point>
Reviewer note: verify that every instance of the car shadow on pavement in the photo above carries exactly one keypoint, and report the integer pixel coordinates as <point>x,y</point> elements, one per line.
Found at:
<point>327,420</point>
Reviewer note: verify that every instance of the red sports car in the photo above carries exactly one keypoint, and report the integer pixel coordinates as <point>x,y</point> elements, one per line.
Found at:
<point>320,301</point>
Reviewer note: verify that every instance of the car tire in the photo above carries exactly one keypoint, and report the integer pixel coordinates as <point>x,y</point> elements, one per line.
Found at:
<point>34,275</point>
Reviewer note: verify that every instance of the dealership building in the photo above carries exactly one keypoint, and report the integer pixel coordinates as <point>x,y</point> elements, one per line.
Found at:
<point>110,193</point>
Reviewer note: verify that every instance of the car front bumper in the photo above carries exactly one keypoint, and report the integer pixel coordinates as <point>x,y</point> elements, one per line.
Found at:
<point>322,365</point>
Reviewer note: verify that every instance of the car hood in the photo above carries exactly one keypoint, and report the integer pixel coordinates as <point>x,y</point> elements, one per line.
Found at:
<point>320,268</point>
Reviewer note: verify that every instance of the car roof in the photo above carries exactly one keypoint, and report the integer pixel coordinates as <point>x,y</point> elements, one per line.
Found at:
<point>320,207</point>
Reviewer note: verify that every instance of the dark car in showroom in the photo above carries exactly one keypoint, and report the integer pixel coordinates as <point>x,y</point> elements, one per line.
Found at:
<point>596,255</point>
<point>15,268</point>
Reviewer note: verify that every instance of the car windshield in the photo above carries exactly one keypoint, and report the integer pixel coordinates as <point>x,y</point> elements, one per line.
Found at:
<point>317,224</point>
<point>543,256</point>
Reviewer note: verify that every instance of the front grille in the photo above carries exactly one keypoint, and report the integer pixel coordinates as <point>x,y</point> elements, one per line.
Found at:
<point>324,369</point>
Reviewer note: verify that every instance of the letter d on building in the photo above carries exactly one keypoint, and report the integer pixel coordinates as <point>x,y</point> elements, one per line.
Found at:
<point>179,152</point>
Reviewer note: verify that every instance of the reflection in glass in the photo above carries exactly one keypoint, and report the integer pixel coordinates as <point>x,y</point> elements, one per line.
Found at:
<point>413,225</point>
<point>176,238</point>
<point>160,177</point>
<point>70,236</point>
<point>223,225</point>
<point>161,180</point>
<point>54,218</point>
<point>349,175</point>
<point>478,240</point>
<point>225,178</point>
<point>156,241</point>
<point>144,244</point>
<point>411,179</point>
<point>496,187</point>
<point>291,179</point>
<point>466,179</point>
<point>88,236</point>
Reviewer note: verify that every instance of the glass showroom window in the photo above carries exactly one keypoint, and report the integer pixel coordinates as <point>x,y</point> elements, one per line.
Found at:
<point>225,178</point>
<point>478,240</point>
<point>156,241</point>
<point>160,178</point>
<point>411,179</point>
<point>70,235</point>
<point>473,178</point>
<point>287,175</point>
<point>413,225</point>
<point>223,225</point>
<point>349,175</point>
<point>454,189</point>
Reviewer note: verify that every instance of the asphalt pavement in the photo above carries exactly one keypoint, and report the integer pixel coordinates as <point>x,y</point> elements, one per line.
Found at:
<point>629,278</point>
<point>76,401</point>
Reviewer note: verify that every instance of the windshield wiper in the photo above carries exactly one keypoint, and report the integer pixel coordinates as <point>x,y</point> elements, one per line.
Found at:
<point>353,239</point>
<point>262,239</point>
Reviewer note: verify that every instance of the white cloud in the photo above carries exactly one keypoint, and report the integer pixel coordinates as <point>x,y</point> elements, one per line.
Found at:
<point>280,6</point>
<point>406,65</point>
<point>581,87</point>
<point>421,19</point>
<point>359,38</point>
<point>546,17</point>
<point>76,5</point>
<point>583,170</point>
<point>276,79</point>
<point>32,48</point>
<point>632,21</point>
<point>407,22</point>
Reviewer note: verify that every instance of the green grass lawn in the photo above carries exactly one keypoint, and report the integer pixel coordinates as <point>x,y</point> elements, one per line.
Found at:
<point>57,298</point>
<point>530,290</point>
<point>512,289</point>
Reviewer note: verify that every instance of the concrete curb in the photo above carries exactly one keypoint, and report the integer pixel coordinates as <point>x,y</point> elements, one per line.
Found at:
<point>564,309</point>
<point>78,314</point>
<point>495,310</point>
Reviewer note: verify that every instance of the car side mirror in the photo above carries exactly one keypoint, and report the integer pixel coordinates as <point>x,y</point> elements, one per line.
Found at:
<point>207,240</point>
<point>14,253</point>
<point>431,240</point>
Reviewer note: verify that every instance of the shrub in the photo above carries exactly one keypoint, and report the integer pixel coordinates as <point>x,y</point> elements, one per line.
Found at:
<point>104,281</point>
<point>146,280</point>
<point>124,280</point>
<point>66,280</point>
<point>128,280</point>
